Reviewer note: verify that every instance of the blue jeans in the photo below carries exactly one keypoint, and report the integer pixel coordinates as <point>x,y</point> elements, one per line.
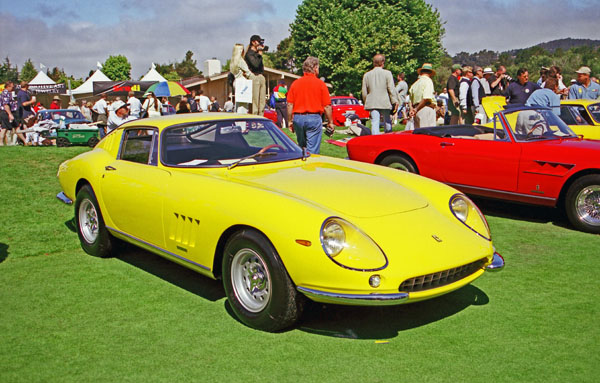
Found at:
<point>309,129</point>
<point>375,115</point>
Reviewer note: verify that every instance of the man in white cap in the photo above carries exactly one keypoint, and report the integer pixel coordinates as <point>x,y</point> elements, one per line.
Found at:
<point>584,87</point>
<point>118,116</point>
<point>422,99</point>
<point>487,73</point>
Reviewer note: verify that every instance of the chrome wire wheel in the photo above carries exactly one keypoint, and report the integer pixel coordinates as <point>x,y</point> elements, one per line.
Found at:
<point>588,205</point>
<point>251,280</point>
<point>88,221</point>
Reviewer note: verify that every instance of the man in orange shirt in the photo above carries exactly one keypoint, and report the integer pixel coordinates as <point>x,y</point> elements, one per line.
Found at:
<point>307,99</point>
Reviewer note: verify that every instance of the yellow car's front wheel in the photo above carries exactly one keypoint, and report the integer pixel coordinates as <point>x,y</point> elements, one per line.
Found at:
<point>257,285</point>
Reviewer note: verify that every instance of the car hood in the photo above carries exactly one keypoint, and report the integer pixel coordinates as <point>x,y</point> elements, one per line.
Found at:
<point>336,186</point>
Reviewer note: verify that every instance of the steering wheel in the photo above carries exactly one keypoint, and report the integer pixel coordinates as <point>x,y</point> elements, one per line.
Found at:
<point>538,125</point>
<point>270,147</point>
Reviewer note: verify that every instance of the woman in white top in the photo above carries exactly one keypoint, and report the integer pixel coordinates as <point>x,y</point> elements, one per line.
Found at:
<point>239,69</point>
<point>152,106</point>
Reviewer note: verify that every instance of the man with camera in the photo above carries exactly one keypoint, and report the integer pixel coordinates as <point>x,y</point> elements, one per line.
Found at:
<point>254,60</point>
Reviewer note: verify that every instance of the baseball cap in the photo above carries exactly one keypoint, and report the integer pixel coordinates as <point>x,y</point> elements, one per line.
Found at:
<point>119,104</point>
<point>584,70</point>
<point>255,38</point>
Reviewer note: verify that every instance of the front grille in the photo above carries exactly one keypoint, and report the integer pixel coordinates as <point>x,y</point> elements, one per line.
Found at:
<point>441,278</point>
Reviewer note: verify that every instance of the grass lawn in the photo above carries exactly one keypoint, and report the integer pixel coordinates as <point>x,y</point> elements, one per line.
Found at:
<point>69,317</point>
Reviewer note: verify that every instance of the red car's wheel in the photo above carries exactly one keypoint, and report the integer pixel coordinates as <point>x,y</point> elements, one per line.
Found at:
<point>582,203</point>
<point>400,162</point>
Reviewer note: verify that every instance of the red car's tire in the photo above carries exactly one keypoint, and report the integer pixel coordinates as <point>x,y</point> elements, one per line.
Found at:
<point>400,162</point>
<point>582,203</point>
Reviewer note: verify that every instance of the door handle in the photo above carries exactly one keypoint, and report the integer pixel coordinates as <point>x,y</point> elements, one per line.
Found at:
<point>447,144</point>
<point>108,167</point>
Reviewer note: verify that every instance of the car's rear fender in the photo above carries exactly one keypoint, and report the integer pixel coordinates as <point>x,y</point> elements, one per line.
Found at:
<point>386,153</point>
<point>574,177</point>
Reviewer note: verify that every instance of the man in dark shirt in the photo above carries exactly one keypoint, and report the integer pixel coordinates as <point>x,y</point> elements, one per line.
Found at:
<point>25,101</point>
<point>254,60</point>
<point>499,81</point>
<point>453,87</point>
<point>519,91</point>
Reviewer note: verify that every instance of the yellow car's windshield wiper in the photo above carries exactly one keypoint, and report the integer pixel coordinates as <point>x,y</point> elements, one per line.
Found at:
<point>255,155</point>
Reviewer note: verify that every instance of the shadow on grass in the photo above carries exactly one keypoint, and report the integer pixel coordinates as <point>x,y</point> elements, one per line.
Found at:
<point>172,272</point>
<point>387,321</point>
<point>70,224</point>
<point>521,212</point>
<point>3,251</point>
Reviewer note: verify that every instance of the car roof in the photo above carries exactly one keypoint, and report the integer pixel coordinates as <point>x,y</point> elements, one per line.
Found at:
<point>184,118</point>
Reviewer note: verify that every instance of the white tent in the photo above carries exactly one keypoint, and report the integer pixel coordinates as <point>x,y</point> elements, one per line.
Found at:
<point>153,75</point>
<point>42,79</point>
<point>88,85</point>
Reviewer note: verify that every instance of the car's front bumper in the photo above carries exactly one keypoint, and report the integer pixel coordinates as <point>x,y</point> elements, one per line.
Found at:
<point>391,299</point>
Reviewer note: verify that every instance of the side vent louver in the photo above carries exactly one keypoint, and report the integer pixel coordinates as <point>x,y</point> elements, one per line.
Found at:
<point>184,230</point>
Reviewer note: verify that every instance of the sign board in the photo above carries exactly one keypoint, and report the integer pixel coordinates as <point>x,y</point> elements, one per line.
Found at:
<point>243,90</point>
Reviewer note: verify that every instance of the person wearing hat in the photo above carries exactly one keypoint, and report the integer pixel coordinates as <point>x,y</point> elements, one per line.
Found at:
<point>487,73</point>
<point>422,98</point>
<point>254,60</point>
<point>453,86</point>
<point>584,87</point>
<point>118,116</point>
<point>55,103</point>
<point>379,94</point>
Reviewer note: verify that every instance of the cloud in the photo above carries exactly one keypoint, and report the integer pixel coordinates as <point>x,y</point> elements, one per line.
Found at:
<point>500,25</point>
<point>208,28</point>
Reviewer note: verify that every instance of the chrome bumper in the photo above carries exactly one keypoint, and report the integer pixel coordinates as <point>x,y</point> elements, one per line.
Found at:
<point>497,263</point>
<point>355,299</point>
<point>62,196</point>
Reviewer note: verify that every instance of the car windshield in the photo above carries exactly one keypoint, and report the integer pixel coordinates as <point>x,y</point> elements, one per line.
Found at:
<point>57,114</point>
<point>226,142</point>
<point>344,101</point>
<point>595,111</point>
<point>537,124</point>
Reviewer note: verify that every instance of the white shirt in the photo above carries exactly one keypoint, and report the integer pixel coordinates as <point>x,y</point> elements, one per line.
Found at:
<point>135,107</point>
<point>100,106</point>
<point>114,121</point>
<point>204,103</point>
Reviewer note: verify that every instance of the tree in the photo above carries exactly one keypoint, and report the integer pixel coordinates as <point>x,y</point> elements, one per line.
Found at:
<point>187,67</point>
<point>117,68</point>
<point>8,72</point>
<point>168,71</point>
<point>346,34</point>
<point>282,58</point>
<point>28,71</point>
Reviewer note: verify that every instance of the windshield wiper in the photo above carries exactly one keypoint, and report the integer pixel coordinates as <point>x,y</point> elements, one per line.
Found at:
<point>255,155</point>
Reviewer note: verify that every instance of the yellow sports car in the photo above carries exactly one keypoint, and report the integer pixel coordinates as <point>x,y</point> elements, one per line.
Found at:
<point>582,116</point>
<point>232,197</point>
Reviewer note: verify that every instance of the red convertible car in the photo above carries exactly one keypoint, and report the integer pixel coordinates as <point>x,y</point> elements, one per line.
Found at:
<point>526,155</point>
<point>342,105</point>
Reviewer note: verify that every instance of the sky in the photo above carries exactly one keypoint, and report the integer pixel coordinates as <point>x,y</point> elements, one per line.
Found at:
<point>75,35</point>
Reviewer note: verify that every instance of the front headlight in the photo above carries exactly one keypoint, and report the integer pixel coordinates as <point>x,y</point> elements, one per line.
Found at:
<point>469,214</point>
<point>349,247</point>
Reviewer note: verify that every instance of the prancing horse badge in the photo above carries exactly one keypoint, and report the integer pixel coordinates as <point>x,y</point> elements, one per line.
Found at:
<point>436,238</point>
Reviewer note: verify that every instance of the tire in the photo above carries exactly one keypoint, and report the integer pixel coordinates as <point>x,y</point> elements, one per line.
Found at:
<point>62,142</point>
<point>400,162</point>
<point>582,204</point>
<point>257,284</point>
<point>93,141</point>
<point>93,235</point>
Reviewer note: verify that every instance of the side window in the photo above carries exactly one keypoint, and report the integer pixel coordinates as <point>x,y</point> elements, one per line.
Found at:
<point>584,114</point>
<point>140,145</point>
<point>566,116</point>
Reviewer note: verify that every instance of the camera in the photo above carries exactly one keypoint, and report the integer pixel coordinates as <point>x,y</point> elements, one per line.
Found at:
<point>262,46</point>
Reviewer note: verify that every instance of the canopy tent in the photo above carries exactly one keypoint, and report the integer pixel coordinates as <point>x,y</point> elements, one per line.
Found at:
<point>41,83</point>
<point>153,75</point>
<point>42,79</point>
<point>88,86</point>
